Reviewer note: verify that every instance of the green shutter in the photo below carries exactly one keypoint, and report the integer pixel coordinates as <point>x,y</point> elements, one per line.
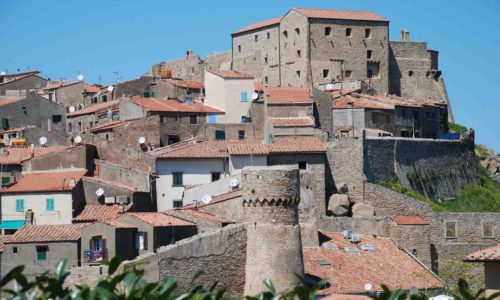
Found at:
<point>5,180</point>
<point>177,178</point>
<point>5,124</point>
<point>20,205</point>
<point>49,204</point>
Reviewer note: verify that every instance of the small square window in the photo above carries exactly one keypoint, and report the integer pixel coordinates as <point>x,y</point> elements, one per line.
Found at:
<point>369,54</point>
<point>348,73</point>
<point>266,80</point>
<point>193,120</point>
<point>215,176</point>
<point>14,249</point>
<point>268,35</point>
<point>5,179</point>
<point>19,205</point>
<point>220,135</point>
<point>265,60</point>
<point>488,230</point>
<point>328,31</point>
<point>326,73</point>
<point>162,119</point>
<point>177,179</point>
<point>41,252</point>
<point>177,203</point>
<point>104,98</point>
<point>56,119</point>
<point>302,165</point>
<point>188,100</point>
<point>241,135</point>
<point>348,32</point>
<point>450,230</point>
<point>256,37</point>
<point>285,34</point>
<point>49,204</point>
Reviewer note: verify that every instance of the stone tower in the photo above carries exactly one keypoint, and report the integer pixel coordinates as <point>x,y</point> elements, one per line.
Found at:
<point>270,208</point>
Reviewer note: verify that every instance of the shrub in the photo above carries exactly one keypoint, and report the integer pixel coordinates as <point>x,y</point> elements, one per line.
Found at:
<point>456,127</point>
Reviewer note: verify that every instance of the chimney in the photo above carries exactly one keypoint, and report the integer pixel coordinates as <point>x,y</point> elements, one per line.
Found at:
<point>188,53</point>
<point>29,216</point>
<point>405,35</point>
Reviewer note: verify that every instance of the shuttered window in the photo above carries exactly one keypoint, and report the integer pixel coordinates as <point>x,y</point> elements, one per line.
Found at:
<point>20,205</point>
<point>244,96</point>
<point>212,118</point>
<point>49,204</point>
<point>41,252</point>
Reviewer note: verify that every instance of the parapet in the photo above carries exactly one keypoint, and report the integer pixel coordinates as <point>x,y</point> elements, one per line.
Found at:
<point>270,194</point>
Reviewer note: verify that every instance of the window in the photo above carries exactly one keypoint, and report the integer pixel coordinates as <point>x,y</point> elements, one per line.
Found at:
<point>368,33</point>
<point>298,74</point>
<point>220,135</point>
<point>146,94</point>
<point>56,119</point>
<point>104,98</point>
<point>265,60</point>
<point>297,31</point>
<point>14,249</point>
<point>80,127</point>
<point>328,31</point>
<point>239,48</point>
<point>5,180</point>
<point>49,204</point>
<point>177,179</point>
<point>266,80</point>
<point>215,176</point>
<point>369,54</point>
<point>403,113</point>
<point>488,230</point>
<point>373,70</point>
<point>172,139</point>
<point>298,53</point>
<point>325,73</point>
<point>285,34</point>
<point>193,120</point>
<point>41,252</point>
<point>188,100</point>
<point>162,119</point>
<point>268,35</point>
<point>212,118</point>
<point>241,135</point>
<point>302,165</point>
<point>141,240</point>
<point>450,230</point>
<point>5,124</point>
<point>348,73</point>
<point>177,203</point>
<point>256,37</point>
<point>19,205</point>
<point>410,73</point>
<point>348,32</point>
<point>243,96</point>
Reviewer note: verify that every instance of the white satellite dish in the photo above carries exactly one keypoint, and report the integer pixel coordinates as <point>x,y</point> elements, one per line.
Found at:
<point>255,96</point>
<point>206,199</point>
<point>99,192</point>
<point>329,86</point>
<point>110,88</point>
<point>81,105</point>
<point>3,73</point>
<point>79,77</point>
<point>71,109</point>
<point>368,287</point>
<point>141,140</point>
<point>234,182</point>
<point>78,139</point>
<point>42,140</point>
<point>38,85</point>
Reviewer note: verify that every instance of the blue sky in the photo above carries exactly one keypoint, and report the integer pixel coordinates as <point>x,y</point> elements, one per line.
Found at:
<point>99,38</point>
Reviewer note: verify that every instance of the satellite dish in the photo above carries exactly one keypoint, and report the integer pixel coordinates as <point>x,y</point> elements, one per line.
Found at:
<point>206,199</point>
<point>234,182</point>
<point>71,109</point>
<point>38,85</point>
<point>81,105</point>
<point>99,192</point>
<point>79,77</point>
<point>42,140</point>
<point>329,86</point>
<point>3,73</point>
<point>255,96</point>
<point>368,287</point>
<point>110,88</point>
<point>141,140</point>
<point>78,139</point>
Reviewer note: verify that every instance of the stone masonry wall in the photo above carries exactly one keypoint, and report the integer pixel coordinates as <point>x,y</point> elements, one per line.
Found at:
<point>129,134</point>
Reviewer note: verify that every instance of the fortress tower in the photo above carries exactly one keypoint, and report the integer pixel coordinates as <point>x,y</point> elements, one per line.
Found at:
<point>270,208</point>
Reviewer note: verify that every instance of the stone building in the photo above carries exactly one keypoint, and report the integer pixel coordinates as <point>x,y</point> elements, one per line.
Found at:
<point>183,90</point>
<point>95,115</point>
<point>16,83</point>
<point>491,259</point>
<point>66,93</point>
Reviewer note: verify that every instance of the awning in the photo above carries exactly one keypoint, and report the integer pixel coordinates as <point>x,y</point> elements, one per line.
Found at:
<point>12,224</point>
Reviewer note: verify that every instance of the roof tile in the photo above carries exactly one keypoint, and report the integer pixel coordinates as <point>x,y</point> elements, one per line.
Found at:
<point>16,155</point>
<point>229,74</point>
<point>260,24</point>
<point>157,219</point>
<point>297,144</point>
<point>47,233</point>
<point>45,182</point>
<point>288,95</point>
<point>94,108</point>
<point>187,84</point>
<point>488,254</point>
<point>337,14</point>
<point>169,105</point>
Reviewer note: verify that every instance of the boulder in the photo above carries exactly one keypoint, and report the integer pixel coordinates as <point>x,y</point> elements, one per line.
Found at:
<point>339,204</point>
<point>492,166</point>
<point>362,211</point>
<point>342,188</point>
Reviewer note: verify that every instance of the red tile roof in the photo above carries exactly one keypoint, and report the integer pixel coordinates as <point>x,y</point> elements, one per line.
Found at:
<point>204,215</point>
<point>260,24</point>
<point>297,144</point>
<point>214,149</point>
<point>346,100</point>
<point>488,254</point>
<point>288,95</point>
<point>164,105</point>
<point>116,223</point>
<point>248,148</point>
<point>259,87</point>
<point>410,220</point>
<point>108,126</point>
<point>229,74</point>
<point>98,212</point>
<point>16,78</point>
<point>4,101</point>
<point>223,197</point>
<point>91,89</point>
<point>47,233</point>
<point>94,108</point>
<point>16,155</point>
<point>4,239</point>
<point>348,273</point>
<point>335,14</point>
<point>19,74</point>
<point>186,84</point>
<point>45,182</point>
<point>292,122</point>
<point>157,219</point>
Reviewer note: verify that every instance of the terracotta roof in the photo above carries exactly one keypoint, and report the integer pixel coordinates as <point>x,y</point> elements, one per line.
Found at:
<point>223,197</point>
<point>164,105</point>
<point>19,74</point>
<point>347,273</point>
<point>114,184</point>
<point>117,223</point>
<point>47,233</point>
<point>229,74</point>
<point>98,212</point>
<point>288,95</point>
<point>16,78</point>
<point>4,101</point>
<point>247,148</point>
<point>214,149</point>
<point>260,24</point>
<point>91,89</point>
<point>358,102</point>
<point>488,254</point>
<point>292,122</point>
<point>107,126</point>
<point>4,239</point>
<point>16,155</point>
<point>204,215</point>
<point>259,87</point>
<point>297,144</point>
<point>187,84</point>
<point>318,13</point>
<point>157,219</point>
<point>45,182</point>
<point>410,220</point>
<point>94,108</point>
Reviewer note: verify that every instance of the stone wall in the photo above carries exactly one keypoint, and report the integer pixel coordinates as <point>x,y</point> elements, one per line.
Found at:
<point>70,95</point>
<point>26,83</point>
<point>124,175</point>
<point>134,87</point>
<point>78,157</point>
<point>439,169</point>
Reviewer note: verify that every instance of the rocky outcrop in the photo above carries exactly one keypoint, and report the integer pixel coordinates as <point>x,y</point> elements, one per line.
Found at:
<point>362,211</point>
<point>489,160</point>
<point>339,204</point>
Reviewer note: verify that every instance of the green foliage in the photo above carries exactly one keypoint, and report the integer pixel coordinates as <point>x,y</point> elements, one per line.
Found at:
<point>395,186</point>
<point>482,152</point>
<point>456,127</point>
<point>452,270</point>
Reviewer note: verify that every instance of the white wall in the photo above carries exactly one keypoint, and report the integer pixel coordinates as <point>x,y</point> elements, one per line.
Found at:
<point>195,172</point>
<point>214,91</point>
<point>213,189</point>
<point>238,162</point>
<point>62,214</point>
